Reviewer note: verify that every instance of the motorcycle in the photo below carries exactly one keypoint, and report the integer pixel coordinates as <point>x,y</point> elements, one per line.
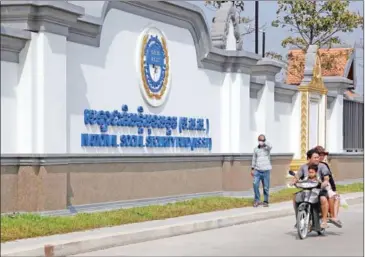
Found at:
<point>308,208</point>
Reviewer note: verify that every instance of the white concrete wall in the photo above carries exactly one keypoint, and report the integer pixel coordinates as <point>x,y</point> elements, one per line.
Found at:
<point>254,130</point>
<point>280,134</point>
<point>40,107</point>
<point>335,125</point>
<point>328,123</point>
<point>9,83</point>
<point>43,98</point>
<point>105,78</point>
<point>295,124</point>
<point>281,138</point>
<point>231,39</point>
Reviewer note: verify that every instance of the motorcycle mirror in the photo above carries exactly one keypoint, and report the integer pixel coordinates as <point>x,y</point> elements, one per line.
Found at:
<point>292,173</point>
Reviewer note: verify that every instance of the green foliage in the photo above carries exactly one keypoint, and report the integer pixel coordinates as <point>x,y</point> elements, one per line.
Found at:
<point>274,55</point>
<point>315,22</point>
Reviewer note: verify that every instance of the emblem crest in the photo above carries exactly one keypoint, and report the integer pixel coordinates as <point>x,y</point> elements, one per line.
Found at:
<point>154,66</point>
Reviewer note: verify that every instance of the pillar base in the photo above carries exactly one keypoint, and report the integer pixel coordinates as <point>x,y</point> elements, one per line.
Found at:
<point>295,164</point>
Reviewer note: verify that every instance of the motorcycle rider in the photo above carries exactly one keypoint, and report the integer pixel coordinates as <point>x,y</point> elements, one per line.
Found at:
<point>312,173</point>
<point>323,173</point>
<point>334,201</point>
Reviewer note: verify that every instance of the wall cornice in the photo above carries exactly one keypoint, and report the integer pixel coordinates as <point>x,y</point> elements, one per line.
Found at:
<point>12,42</point>
<point>283,92</point>
<point>46,16</point>
<point>267,68</point>
<point>337,84</point>
<point>70,20</point>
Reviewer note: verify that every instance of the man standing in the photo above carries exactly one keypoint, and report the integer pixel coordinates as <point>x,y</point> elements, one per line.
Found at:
<point>260,170</point>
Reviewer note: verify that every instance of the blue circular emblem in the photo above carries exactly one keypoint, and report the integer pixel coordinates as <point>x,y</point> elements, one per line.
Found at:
<point>154,66</point>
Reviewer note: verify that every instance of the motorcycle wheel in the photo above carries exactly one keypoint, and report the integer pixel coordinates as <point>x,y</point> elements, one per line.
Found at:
<point>302,224</point>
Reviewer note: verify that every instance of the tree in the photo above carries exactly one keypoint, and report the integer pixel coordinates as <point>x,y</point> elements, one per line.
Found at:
<point>247,22</point>
<point>274,55</point>
<point>315,22</point>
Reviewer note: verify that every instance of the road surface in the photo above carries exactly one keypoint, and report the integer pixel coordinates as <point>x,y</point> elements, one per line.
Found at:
<point>276,237</point>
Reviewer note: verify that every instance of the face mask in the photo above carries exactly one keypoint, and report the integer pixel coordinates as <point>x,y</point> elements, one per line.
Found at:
<point>261,143</point>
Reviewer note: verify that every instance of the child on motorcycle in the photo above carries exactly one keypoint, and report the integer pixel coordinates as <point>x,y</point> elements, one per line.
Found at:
<point>312,173</point>
<point>312,176</point>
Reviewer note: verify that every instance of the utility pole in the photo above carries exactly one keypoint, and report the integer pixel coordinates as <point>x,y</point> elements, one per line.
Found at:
<point>263,43</point>
<point>256,27</point>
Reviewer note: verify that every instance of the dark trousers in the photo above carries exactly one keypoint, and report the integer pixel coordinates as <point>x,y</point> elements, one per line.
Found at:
<point>262,176</point>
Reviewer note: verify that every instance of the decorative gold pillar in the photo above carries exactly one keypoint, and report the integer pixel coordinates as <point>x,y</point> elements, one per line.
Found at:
<point>314,89</point>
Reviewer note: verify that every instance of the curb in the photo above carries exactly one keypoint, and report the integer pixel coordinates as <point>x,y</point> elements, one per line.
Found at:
<point>90,243</point>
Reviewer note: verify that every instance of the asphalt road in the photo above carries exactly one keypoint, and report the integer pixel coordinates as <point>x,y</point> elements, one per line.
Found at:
<point>275,237</point>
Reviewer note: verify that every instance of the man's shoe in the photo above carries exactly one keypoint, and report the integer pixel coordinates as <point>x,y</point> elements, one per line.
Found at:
<point>265,204</point>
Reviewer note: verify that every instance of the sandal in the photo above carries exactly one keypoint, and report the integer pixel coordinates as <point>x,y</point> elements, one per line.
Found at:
<point>337,223</point>
<point>324,225</point>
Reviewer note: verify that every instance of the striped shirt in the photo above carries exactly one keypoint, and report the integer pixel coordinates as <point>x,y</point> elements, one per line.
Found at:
<point>261,159</point>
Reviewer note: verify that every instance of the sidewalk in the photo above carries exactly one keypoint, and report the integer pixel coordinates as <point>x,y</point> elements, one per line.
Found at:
<point>91,240</point>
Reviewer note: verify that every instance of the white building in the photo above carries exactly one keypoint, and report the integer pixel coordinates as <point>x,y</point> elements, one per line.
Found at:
<point>65,65</point>
<point>55,68</point>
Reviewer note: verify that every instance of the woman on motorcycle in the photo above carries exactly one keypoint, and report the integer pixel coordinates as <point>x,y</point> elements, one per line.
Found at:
<point>333,200</point>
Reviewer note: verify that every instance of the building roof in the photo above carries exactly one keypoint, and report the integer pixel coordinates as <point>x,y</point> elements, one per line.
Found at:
<point>335,62</point>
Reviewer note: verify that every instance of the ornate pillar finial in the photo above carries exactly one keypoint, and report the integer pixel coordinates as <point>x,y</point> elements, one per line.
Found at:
<point>313,106</point>
<point>225,16</point>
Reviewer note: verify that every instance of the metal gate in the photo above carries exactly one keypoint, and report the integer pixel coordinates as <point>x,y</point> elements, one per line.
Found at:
<point>353,126</point>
